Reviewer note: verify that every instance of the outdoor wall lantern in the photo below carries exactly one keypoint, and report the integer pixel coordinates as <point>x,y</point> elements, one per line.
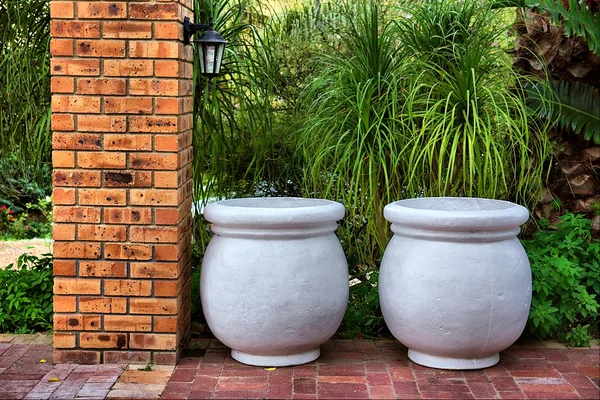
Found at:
<point>210,46</point>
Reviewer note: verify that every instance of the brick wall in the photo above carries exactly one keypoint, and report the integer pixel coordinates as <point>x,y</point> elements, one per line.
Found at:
<point>122,136</point>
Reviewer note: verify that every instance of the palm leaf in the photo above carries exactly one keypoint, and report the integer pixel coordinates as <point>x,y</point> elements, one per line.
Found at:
<point>577,18</point>
<point>572,106</point>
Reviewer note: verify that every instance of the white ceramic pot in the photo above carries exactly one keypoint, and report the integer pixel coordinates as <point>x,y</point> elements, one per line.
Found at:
<point>455,282</point>
<point>274,281</point>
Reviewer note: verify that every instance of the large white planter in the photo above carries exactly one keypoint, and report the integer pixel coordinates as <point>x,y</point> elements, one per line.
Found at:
<point>455,282</point>
<point>274,281</point>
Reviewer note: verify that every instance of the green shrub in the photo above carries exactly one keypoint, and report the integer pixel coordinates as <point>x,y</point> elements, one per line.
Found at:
<point>363,317</point>
<point>565,263</point>
<point>26,295</point>
<point>34,222</point>
<point>25,135</point>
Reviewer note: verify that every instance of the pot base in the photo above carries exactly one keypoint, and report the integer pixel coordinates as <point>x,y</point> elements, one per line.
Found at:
<point>428,360</point>
<point>276,361</point>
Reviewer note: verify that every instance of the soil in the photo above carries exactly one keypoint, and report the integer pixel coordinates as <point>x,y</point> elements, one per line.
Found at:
<point>11,250</point>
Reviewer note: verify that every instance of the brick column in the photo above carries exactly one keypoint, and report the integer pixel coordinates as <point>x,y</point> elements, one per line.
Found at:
<point>122,137</point>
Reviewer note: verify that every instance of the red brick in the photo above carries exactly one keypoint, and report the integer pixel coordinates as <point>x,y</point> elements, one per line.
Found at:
<point>74,29</point>
<point>103,233</point>
<point>62,48</point>
<point>169,68</point>
<point>63,267</point>
<point>127,323</point>
<point>166,216</point>
<point>101,48</point>
<point>167,179</point>
<point>154,87</point>
<point>127,30</point>
<point>61,10</point>
<point>165,324</point>
<point>76,286</point>
<point>63,340</point>
<point>103,340</point>
<point>153,161</point>
<point>101,10</point>
<point>153,306</point>
<point>128,105</point>
<point>151,234</point>
<point>76,178</point>
<point>76,357</point>
<point>76,250</point>
<point>110,86</point>
<point>65,304</point>
<point>128,68</point>
<point>102,268</point>
<point>101,160</point>
<point>130,216</point>
<point>155,270</point>
<point>154,49</point>
<point>109,305</point>
<point>76,214</point>
<point>63,232</point>
<point>153,341</point>
<point>155,11</point>
<point>76,141</point>
<point>127,252</point>
<point>75,104</point>
<point>153,197</point>
<point>128,142</point>
<point>127,287</point>
<point>169,105</point>
<point>74,67</point>
<point>63,159</point>
<point>167,30</point>
<point>62,85</point>
<point>101,123</point>
<point>153,124</point>
<point>62,196</point>
<point>63,122</point>
<point>127,357</point>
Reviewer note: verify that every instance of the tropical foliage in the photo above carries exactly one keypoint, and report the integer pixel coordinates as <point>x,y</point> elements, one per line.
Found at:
<point>565,263</point>
<point>24,100</point>
<point>26,295</point>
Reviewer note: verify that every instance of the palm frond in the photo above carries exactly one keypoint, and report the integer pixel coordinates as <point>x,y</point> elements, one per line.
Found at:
<point>577,18</point>
<point>572,106</point>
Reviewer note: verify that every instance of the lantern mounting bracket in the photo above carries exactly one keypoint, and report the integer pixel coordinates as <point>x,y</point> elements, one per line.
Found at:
<point>189,29</point>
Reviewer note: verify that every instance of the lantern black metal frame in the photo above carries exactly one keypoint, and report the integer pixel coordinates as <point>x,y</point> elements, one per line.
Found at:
<point>209,37</point>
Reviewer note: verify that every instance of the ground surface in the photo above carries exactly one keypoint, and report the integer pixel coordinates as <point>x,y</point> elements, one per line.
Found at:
<point>11,250</point>
<point>346,369</point>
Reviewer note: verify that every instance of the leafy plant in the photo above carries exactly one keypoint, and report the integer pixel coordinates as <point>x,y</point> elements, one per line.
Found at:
<point>26,295</point>
<point>572,106</point>
<point>565,263</point>
<point>579,18</point>
<point>363,316</point>
<point>426,104</point>
<point>22,224</point>
<point>25,137</point>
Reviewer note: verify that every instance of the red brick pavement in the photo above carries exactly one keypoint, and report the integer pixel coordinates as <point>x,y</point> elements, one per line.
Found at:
<point>347,369</point>
<point>381,370</point>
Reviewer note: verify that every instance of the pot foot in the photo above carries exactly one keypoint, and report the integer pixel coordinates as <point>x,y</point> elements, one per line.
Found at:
<point>452,363</point>
<point>276,361</point>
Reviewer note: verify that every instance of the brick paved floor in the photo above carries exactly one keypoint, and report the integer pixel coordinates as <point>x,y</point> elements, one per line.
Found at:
<point>381,370</point>
<point>346,369</point>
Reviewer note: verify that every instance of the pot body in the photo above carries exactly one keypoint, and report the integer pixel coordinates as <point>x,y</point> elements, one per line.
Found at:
<point>274,280</point>
<point>455,282</point>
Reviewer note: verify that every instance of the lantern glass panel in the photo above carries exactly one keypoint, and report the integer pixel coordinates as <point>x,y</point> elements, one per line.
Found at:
<point>210,58</point>
<point>201,58</point>
<point>219,60</point>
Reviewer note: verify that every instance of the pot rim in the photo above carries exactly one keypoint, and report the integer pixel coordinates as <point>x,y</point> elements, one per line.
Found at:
<point>273,212</point>
<point>468,213</point>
